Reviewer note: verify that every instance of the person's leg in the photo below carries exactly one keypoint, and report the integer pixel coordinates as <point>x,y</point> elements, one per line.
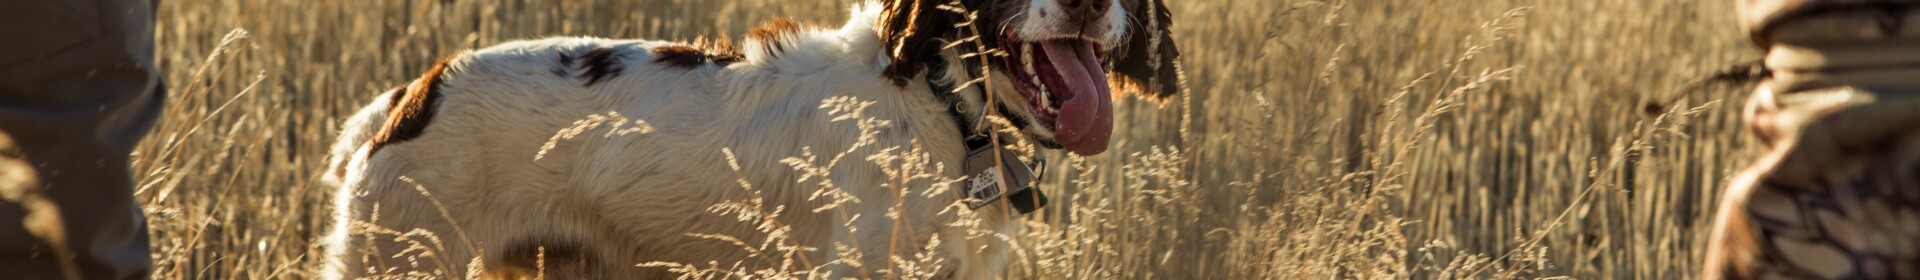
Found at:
<point>78,89</point>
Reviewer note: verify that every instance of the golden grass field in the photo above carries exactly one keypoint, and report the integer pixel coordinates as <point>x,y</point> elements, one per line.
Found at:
<point>1330,139</point>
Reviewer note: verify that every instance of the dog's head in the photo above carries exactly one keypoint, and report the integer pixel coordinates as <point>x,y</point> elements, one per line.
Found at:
<point>1063,59</point>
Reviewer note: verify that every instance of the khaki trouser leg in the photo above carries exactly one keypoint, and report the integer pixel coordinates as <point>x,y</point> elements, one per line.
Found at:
<point>78,89</point>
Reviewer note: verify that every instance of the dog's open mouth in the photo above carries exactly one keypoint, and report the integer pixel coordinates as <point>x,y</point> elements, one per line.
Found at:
<point>1066,86</point>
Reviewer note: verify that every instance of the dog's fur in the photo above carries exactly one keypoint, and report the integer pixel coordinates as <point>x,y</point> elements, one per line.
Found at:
<point>454,153</point>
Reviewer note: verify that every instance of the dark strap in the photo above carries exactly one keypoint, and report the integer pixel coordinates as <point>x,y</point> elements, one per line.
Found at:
<point>945,91</point>
<point>1026,200</point>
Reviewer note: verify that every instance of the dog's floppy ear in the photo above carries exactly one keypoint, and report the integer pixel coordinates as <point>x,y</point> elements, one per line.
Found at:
<point>911,29</point>
<point>1147,62</point>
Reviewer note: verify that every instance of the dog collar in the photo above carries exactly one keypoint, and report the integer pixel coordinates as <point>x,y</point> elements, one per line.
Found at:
<point>956,106</point>
<point>986,159</point>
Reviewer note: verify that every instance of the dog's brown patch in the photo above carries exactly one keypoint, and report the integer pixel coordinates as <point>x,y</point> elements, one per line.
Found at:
<point>410,109</point>
<point>720,50</point>
<point>910,29</point>
<point>773,34</point>
<point>679,56</point>
<point>725,58</point>
<point>599,64</point>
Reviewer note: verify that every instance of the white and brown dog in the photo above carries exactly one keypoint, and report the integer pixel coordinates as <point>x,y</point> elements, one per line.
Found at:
<point>454,152</point>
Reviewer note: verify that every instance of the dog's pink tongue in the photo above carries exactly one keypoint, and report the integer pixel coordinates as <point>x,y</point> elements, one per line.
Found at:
<point>1086,115</point>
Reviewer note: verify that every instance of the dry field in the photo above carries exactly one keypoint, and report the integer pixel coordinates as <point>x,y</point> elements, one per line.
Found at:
<point>1328,139</point>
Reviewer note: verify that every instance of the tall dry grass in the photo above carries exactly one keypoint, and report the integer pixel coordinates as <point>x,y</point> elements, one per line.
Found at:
<point>1321,139</point>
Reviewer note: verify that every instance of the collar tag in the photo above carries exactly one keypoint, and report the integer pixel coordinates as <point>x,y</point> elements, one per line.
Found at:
<point>981,188</point>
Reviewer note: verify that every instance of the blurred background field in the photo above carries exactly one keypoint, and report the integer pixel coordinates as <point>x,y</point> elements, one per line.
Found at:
<point>1332,139</point>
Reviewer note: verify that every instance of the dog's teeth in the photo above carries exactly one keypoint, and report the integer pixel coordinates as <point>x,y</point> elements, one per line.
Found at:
<point>1043,86</point>
<point>1026,61</point>
<point>1026,58</point>
<point>1044,94</point>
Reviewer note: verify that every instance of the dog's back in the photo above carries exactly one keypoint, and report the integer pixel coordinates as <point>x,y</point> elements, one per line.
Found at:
<point>463,140</point>
<point>585,157</point>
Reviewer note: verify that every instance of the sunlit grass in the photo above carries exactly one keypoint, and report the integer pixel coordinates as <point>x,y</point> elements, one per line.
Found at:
<point>1320,139</point>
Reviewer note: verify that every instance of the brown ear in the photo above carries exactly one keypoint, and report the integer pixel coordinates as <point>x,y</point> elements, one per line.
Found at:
<point>910,28</point>
<point>1148,62</point>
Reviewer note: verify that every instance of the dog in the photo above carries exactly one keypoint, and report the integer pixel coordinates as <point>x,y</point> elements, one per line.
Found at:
<point>604,159</point>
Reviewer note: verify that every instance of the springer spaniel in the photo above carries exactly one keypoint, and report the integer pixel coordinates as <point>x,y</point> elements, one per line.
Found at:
<point>480,151</point>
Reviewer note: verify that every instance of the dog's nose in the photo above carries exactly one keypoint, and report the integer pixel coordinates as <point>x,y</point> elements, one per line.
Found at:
<point>1093,10</point>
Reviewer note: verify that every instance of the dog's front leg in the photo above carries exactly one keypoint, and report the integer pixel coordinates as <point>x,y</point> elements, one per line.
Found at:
<point>862,246</point>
